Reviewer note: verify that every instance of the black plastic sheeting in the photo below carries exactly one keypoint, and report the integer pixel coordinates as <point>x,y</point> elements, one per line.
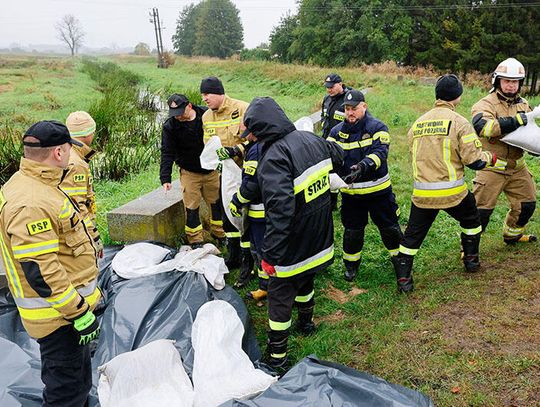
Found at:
<point>138,311</point>
<point>135,312</point>
<point>315,383</point>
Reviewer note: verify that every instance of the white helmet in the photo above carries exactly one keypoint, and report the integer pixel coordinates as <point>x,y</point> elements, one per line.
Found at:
<point>510,68</point>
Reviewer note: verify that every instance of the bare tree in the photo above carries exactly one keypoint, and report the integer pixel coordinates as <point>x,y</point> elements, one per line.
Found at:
<point>70,31</point>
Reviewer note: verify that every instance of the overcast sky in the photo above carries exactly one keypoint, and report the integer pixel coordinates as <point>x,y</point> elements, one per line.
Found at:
<point>123,23</point>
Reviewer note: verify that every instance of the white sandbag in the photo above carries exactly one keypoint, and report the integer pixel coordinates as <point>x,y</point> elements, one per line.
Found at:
<point>208,158</point>
<point>336,183</point>
<point>221,369</point>
<point>231,179</point>
<point>151,376</point>
<point>304,123</point>
<point>141,259</point>
<point>135,259</point>
<point>526,137</point>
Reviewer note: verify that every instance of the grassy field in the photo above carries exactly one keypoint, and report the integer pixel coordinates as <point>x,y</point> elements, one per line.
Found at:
<point>465,340</point>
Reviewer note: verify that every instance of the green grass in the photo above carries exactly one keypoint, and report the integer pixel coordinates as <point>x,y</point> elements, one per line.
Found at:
<point>465,340</point>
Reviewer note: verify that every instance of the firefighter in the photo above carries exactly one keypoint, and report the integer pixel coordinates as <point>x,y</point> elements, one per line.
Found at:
<point>332,112</point>
<point>298,239</point>
<point>182,142</point>
<point>223,119</point>
<point>442,143</point>
<point>78,182</point>
<point>366,142</point>
<point>249,194</point>
<point>497,114</point>
<point>51,264</point>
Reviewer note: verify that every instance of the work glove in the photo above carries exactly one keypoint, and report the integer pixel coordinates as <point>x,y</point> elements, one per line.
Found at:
<point>535,114</point>
<point>87,327</point>
<point>510,123</point>
<point>357,172</point>
<point>268,269</point>
<point>235,210</point>
<point>224,153</point>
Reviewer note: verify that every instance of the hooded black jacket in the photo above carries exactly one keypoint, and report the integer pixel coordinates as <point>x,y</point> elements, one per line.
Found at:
<point>182,142</point>
<point>293,175</point>
<point>332,112</point>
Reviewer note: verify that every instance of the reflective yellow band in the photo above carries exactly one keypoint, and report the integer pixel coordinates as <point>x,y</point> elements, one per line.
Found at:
<point>278,355</point>
<point>439,193</point>
<point>35,249</point>
<point>193,230</point>
<point>232,234</point>
<point>472,232</point>
<point>216,222</point>
<point>393,252</point>
<point>262,275</point>
<point>221,123</point>
<point>352,256</point>
<point>508,231</point>
<point>469,138</point>
<point>64,298</point>
<point>519,119</point>
<point>405,250</point>
<point>305,298</point>
<point>311,175</point>
<point>11,272</point>
<point>256,214</point>
<point>245,245</point>
<point>357,189</point>
<point>375,159</point>
<point>66,211</point>
<point>279,326</point>
<point>383,135</point>
<point>241,198</point>
<point>75,191</point>
<point>307,264</point>
<point>447,155</point>
<point>488,129</point>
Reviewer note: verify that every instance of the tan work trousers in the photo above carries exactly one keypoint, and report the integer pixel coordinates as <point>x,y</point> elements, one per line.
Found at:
<point>196,186</point>
<point>518,186</point>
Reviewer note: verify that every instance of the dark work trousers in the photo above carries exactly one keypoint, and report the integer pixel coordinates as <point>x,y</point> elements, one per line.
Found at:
<point>66,369</point>
<point>421,219</point>
<point>283,293</point>
<point>228,227</point>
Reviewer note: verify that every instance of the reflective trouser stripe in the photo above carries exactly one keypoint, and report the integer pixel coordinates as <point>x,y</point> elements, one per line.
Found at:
<point>307,264</point>
<point>405,250</point>
<point>193,230</point>
<point>255,214</point>
<point>232,234</point>
<point>508,231</point>
<point>278,355</point>
<point>216,222</point>
<point>262,275</point>
<point>34,309</point>
<point>352,256</point>
<point>279,326</point>
<point>305,298</point>
<point>11,272</point>
<point>245,245</point>
<point>393,252</point>
<point>35,249</point>
<point>472,232</point>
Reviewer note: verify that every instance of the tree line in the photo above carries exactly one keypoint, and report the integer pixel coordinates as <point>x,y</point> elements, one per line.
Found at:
<point>460,36</point>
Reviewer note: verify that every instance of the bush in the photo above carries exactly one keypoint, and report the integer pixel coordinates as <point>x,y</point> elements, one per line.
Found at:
<point>169,58</point>
<point>255,54</point>
<point>11,151</point>
<point>108,75</point>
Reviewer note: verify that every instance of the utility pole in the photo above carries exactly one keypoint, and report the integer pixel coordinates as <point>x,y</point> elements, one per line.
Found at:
<point>154,19</point>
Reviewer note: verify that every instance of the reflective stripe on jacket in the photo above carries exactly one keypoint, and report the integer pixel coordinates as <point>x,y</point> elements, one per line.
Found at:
<point>442,142</point>
<point>46,249</point>
<point>225,122</point>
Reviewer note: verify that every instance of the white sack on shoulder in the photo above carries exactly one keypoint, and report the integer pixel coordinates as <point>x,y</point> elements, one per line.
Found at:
<point>151,376</point>
<point>221,369</point>
<point>208,158</point>
<point>526,137</point>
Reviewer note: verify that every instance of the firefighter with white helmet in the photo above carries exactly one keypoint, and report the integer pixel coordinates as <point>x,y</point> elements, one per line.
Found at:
<point>497,114</point>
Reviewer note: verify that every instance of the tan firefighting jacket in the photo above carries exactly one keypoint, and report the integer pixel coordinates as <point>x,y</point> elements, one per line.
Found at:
<point>225,122</point>
<point>485,114</point>
<point>47,251</point>
<point>78,184</point>
<point>442,142</point>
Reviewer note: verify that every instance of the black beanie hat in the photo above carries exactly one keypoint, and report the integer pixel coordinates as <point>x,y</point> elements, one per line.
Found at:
<point>448,87</point>
<point>212,85</point>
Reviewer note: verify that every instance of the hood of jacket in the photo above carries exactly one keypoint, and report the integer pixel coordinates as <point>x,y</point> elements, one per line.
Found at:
<point>266,120</point>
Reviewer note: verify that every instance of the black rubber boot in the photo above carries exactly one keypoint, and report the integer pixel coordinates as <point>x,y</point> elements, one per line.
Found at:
<point>233,248</point>
<point>246,268</point>
<point>403,268</point>
<point>276,352</point>
<point>305,325</point>
<point>471,248</point>
<point>351,268</point>
<point>521,239</point>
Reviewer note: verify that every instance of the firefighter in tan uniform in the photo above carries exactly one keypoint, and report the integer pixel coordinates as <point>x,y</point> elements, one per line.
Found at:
<point>442,143</point>
<point>499,113</point>
<point>223,119</point>
<point>50,261</point>
<point>78,183</point>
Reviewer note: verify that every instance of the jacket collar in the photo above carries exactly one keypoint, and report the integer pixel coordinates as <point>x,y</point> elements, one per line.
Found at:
<point>444,103</point>
<point>48,175</point>
<point>511,101</point>
<point>85,152</point>
<point>226,103</point>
